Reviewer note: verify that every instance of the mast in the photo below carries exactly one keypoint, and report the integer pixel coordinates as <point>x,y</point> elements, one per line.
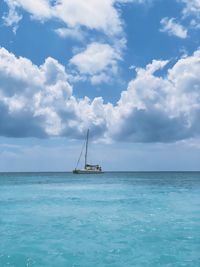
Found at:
<point>86,148</point>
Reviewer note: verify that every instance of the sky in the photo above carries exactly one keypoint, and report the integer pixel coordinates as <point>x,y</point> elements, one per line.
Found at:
<point>128,70</point>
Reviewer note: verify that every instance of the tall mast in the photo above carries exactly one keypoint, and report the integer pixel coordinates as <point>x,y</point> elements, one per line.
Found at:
<point>86,149</point>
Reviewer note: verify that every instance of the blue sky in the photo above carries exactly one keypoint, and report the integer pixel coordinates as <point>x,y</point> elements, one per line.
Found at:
<point>126,69</point>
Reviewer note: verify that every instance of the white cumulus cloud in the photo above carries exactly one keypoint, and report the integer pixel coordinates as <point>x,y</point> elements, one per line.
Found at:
<point>191,11</point>
<point>93,14</point>
<point>98,61</point>
<point>12,18</point>
<point>170,26</point>
<point>99,24</point>
<point>160,109</point>
<point>192,7</point>
<point>73,33</point>
<point>97,15</point>
<point>38,101</point>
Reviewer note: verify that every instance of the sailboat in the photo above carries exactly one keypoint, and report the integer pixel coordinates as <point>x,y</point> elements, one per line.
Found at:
<point>88,168</point>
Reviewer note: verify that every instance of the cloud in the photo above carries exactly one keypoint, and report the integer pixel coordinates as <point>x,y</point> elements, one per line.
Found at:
<point>191,10</point>
<point>99,61</point>
<point>29,95</point>
<point>160,109</point>
<point>73,33</point>
<point>12,19</point>
<point>38,9</point>
<point>92,14</point>
<point>100,78</point>
<point>173,28</point>
<point>39,101</point>
<point>98,24</point>
<point>192,7</point>
<point>84,21</point>
<point>97,15</point>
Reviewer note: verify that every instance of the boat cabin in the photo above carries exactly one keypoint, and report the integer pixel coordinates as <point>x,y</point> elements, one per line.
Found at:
<point>90,167</point>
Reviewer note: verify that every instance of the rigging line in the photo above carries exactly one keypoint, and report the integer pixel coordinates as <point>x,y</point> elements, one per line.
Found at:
<point>80,154</point>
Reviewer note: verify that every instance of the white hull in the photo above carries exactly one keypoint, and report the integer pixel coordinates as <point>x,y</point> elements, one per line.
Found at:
<point>87,172</point>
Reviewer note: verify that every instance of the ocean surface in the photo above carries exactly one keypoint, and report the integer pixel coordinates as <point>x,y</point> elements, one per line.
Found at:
<point>112,219</point>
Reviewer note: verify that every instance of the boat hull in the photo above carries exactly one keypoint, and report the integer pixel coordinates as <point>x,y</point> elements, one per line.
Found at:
<point>86,172</point>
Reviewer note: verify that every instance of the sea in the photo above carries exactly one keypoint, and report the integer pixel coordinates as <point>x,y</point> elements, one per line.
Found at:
<point>115,219</point>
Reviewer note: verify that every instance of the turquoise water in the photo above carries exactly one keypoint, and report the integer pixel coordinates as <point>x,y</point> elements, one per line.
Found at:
<point>113,219</point>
